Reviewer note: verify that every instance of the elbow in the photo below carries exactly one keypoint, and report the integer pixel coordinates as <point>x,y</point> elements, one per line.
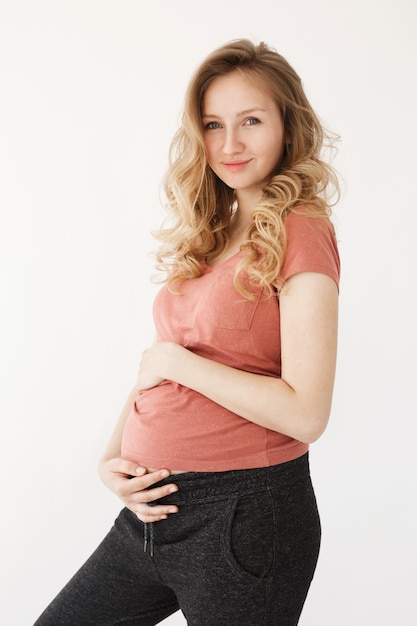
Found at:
<point>307,411</point>
<point>311,436</point>
<point>313,417</point>
<point>312,427</point>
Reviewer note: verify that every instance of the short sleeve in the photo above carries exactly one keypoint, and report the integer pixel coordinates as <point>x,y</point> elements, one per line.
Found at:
<point>311,247</point>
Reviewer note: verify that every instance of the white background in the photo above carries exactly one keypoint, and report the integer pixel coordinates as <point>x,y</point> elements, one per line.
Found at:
<point>90,95</point>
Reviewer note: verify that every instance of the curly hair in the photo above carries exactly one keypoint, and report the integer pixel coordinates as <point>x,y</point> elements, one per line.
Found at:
<point>200,205</point>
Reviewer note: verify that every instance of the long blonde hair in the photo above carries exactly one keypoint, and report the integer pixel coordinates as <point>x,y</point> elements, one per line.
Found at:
<point>200,205</point>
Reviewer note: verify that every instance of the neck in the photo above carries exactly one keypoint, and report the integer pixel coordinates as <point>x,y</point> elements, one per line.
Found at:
<point>239,223</point>
<point>247,199</point>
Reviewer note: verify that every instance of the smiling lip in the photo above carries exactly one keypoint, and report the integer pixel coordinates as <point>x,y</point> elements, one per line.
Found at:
<point>236,166</point>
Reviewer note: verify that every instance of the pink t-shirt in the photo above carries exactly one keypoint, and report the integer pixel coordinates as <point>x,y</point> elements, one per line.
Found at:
<point>175,427</point>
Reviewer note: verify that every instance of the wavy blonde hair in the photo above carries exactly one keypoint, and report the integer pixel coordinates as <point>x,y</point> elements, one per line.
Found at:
<point>200,205</point>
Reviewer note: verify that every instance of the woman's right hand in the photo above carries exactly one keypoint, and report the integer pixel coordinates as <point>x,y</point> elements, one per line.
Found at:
<point>132,483</point>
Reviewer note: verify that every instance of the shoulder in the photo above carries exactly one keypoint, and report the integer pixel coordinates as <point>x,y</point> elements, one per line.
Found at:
<point>311,245</point>
<point>304,223</point>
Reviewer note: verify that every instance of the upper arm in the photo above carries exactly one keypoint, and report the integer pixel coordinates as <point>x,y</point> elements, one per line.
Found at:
<point>309,316</point>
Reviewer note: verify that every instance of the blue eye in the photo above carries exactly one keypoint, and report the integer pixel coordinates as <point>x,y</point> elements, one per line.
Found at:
<point>252,121</point>
<point>212,126</point>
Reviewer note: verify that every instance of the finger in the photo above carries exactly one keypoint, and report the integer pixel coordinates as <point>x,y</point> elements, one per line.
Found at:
<point>137,489</point>
<point>150,495</point>
<point>150,478</point>
<point>121,466</point>
<point>148,519</point>
<point>137,493</point>
<point>155,513</point>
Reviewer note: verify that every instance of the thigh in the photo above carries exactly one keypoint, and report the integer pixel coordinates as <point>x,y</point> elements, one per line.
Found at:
<point>297,537</point>
<point>116,585</point>
<point>255,559</point>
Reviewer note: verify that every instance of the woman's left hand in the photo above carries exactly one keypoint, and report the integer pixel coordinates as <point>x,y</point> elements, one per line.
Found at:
<point>156,364</point>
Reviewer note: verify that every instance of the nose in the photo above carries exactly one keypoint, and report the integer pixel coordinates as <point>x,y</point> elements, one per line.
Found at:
<point>232,142</point>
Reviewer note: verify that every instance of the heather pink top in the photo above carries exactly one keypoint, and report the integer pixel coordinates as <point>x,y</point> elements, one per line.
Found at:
<point>175,427</point>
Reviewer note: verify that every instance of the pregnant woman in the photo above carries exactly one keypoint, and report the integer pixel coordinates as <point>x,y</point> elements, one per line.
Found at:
<point>210,453</point>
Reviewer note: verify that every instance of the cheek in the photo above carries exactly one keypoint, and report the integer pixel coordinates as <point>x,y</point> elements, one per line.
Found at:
<point>275,153</point>
<point>210,149</point>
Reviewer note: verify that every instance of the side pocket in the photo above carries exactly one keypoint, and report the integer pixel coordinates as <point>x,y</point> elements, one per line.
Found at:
<point>248,537</point>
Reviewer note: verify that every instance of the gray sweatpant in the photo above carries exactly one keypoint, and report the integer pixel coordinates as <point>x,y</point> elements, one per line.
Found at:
<point>241,551</point>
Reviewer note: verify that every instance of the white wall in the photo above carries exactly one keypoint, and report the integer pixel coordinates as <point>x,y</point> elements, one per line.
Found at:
<point>90,95</point>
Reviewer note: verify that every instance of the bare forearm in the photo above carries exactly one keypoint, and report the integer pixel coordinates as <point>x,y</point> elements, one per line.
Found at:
<point>264,400</point>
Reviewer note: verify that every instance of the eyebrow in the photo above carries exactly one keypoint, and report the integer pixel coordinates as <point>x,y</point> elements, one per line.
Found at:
<point>239,114</point>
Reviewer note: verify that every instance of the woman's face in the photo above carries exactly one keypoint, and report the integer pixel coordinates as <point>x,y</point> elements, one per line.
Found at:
<point>243,133</point>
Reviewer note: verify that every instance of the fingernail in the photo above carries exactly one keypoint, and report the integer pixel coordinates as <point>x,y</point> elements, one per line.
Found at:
<point>165,474</point>
<point>172,511</point>
<point>172,489</point>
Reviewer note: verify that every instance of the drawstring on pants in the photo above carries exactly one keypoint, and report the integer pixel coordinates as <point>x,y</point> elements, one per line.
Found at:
<point>145,538</point>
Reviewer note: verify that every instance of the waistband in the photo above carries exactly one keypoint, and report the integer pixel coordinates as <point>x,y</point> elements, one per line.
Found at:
<point>194,486</point>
